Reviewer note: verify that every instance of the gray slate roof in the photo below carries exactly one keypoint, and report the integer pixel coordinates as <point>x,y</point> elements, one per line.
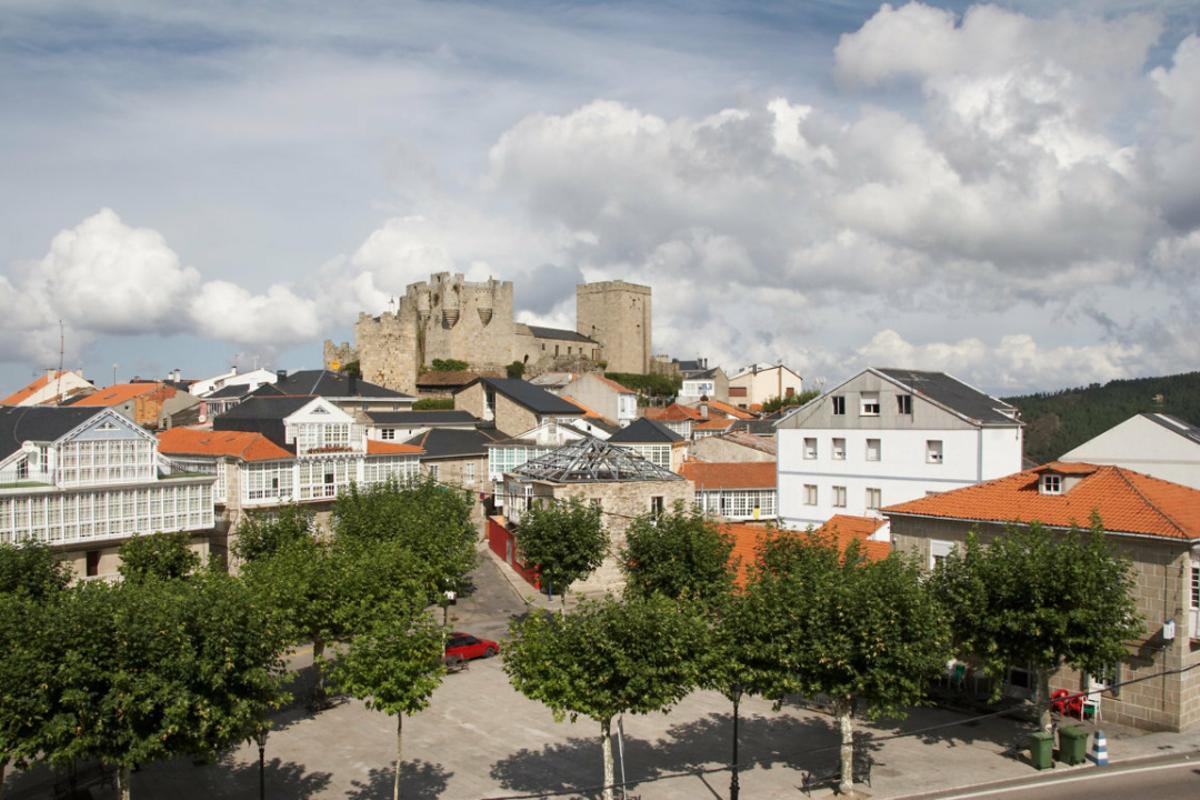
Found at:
<point>953,394</point>
<point>1176,425</point>
<point>232,390</point>
<point>20,424</point>
<point>453,443</point>
<point>539,401</point>
<point>418,418</point>
<point>645,431</point>
<point>323,383</point>
<point>559,333</point>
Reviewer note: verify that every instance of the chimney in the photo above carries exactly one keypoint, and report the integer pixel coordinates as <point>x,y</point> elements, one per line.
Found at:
<point>353,385</point>
<point>280,375</point>
<point>233,369</point>
<point>176,374</point>
<point>704,407</point>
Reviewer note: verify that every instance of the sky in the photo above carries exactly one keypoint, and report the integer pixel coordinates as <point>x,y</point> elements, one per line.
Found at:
<point>1005,192</point>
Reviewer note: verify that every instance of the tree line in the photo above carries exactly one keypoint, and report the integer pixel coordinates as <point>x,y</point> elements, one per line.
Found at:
<point>180,659</point>
<point>806,617</point>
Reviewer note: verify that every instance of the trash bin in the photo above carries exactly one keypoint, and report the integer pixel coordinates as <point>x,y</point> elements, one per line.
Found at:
<point>1041,748</point>
<point>1072,745</point>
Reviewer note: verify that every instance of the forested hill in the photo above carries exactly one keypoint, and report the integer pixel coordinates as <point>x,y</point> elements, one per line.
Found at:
<point>1056,422</point>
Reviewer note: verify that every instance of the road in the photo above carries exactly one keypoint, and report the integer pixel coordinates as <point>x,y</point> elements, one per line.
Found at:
<point>1177,780</point>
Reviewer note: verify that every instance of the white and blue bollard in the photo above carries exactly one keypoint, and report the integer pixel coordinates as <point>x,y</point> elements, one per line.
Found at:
<point>1099,750</point>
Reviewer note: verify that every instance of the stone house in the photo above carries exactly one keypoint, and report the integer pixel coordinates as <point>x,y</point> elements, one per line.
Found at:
<point>512,404</point>
<point>734,491</point>
<point>622,485</point>
<point>609,398</point>
<point>654,442</point>
<point>1154,523</point>
<point>459,458</point>
<point>736,445</point>
<point>151,404</point>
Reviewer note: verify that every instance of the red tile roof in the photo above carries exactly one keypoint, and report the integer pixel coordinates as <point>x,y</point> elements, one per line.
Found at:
<point>613,384</point>
<point>714,424</point>
<point>728,410</point>
<point>672,413</point>
<point>235,444</point>
<point>588,413</point>
<point>16,397</point>
<point>847,528</point>
<point>712,475</point>
<point>377,448</point>
<point>1127,501</point>
<point>118,393</point>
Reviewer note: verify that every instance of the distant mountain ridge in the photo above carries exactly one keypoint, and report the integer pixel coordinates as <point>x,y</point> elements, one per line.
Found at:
<point>1056,422</point>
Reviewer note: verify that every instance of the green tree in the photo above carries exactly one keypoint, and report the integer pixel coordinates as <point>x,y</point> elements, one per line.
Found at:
<point>773,404</point>
<point>30,569</point>
<point>1032,596</point>
<point>567,542</point>
<point>869,635</point>
<point>606,658</point>
<point>26,672</point>
<point>448,365</point>
<point>515,370</point>
<point>158,555</point>
<point>434,404</point>
<point>394,664</point>
<point>431,521</point>
<point>153,669</point>
<point>263,533</point>
<point>681,554</point>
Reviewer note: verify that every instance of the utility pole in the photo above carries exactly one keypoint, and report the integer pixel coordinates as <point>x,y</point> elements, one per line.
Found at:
<point>114,373</point>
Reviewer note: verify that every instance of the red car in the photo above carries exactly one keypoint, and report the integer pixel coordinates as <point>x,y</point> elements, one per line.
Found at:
<point>462,647</point>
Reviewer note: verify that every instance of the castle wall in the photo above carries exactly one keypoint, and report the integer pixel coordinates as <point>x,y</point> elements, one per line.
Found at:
<point>468,321</point>
<point>617,315</point>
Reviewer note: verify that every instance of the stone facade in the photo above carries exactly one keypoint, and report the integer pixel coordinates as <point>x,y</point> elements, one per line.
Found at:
<point>1161,571</point>
<point>617,315</point>
<point>448,317</point>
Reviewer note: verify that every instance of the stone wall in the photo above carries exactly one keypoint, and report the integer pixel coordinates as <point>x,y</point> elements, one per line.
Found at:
<point>512,418</point>
<point>716,448</point>
<point>1161,572</point>
<point>617,315</point>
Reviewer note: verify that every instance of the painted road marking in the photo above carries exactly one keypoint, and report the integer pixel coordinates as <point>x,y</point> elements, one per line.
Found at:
<point>1091,776</point>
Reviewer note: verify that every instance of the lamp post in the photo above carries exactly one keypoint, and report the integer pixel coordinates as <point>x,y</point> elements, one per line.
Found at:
<point>261,738</point>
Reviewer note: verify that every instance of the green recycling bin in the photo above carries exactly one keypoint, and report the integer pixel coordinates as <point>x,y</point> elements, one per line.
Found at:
<point>1041,749</point>
<point>1072,745</point>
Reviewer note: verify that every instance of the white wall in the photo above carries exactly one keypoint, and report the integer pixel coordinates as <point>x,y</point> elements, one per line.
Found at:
<point>903,472</point>
<point>1144,446</point>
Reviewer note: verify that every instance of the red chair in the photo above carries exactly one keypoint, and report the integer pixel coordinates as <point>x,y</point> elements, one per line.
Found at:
<point>1066,703</point>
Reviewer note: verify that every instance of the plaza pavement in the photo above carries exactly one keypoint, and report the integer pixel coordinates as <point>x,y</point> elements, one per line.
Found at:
<point>480,739</point>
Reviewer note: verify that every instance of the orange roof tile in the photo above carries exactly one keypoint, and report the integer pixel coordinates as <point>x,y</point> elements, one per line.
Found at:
<point>711,475</point>
<point>728,410</point>
<point>613,384</point>
<point>117,393</point>
<point>20,394</point>
<point>1127,502</point>
<point>236,444</point>
<point>588,413</point>
<point>377,448</point>
<point>714,424</point>
<point>848,528</point>
<point>746,541</point>
<point>672,413</point>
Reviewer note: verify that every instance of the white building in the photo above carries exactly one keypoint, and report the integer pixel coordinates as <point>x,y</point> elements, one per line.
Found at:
<point>1154,444</point>
<point>84,480</point>
<point>50,388</point>
<point>505,455</point>
<point>609,398</point>
<point>250,380</point>
<point>758,383</point>
<point>887,436</point>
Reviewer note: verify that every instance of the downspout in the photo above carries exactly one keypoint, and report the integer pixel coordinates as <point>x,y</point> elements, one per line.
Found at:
<point>979,454</point>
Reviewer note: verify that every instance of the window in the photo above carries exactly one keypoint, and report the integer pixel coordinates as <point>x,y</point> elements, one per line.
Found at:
<point>810,448</point>
<point>23,468</point>
<point>933,451</point>
<point>904,403</point>
<point>1195,585</point>
<point>433,471</point>
<point>1108,678</point>
<point>869,406</point>
<point>1051,484</point>
<point>873,449</point>
<point>93,563</point>
<point>839,405</point>
<point>839,449</point>
<point>874,499</point>
<point>839,497</point>
<point>810,494</point>
<point>387,434</point>
<point>938,550</point>
<point>656,505</point>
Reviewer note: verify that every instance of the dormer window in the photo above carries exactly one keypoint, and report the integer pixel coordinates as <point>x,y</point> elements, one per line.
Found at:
<point>869,404</point>
<point>1051,484</point>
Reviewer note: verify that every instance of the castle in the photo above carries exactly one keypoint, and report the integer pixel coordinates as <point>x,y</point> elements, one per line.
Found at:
<point>448,317</point>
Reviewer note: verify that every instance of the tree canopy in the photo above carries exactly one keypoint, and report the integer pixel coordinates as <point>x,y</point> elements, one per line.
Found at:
<point>30,569</point>
<point>1034,596</point>
<point>158,555</point>
<point>606,658</point>
<point>448,365</point>
<point>567,541</point>
<point>773,404</point>
<point>263,533</point>
<point>681,554</point>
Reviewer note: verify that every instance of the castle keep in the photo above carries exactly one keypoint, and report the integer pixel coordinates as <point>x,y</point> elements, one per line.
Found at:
<point>448,317</point>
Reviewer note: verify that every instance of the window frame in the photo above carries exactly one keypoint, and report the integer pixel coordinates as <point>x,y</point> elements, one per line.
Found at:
<point>868,404</point>
<point>878,450</point>
<point>839,405</point>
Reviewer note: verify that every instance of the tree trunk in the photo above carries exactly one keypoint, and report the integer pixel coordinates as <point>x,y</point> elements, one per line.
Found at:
<point>123,782</point>
<point>606,749</point>
<point>399,731</point>
<point>318,693</point>
<point>1041,697</point>
<point>734,788</point>
<point>844,708</point>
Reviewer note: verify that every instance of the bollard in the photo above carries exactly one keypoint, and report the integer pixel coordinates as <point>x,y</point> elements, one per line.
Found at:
<point>1099,750</point>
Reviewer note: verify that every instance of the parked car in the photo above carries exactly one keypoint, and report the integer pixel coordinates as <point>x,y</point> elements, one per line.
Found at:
<point>462,647</point>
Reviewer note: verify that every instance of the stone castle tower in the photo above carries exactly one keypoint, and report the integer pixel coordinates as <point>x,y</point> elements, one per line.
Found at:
<point>617,315</point>
<point>449,317</point>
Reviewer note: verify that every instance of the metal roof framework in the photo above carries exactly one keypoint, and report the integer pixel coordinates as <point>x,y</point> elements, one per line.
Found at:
<point>592,461</point>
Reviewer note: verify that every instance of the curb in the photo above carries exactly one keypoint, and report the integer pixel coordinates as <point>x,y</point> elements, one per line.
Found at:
<point>1114,767</point>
